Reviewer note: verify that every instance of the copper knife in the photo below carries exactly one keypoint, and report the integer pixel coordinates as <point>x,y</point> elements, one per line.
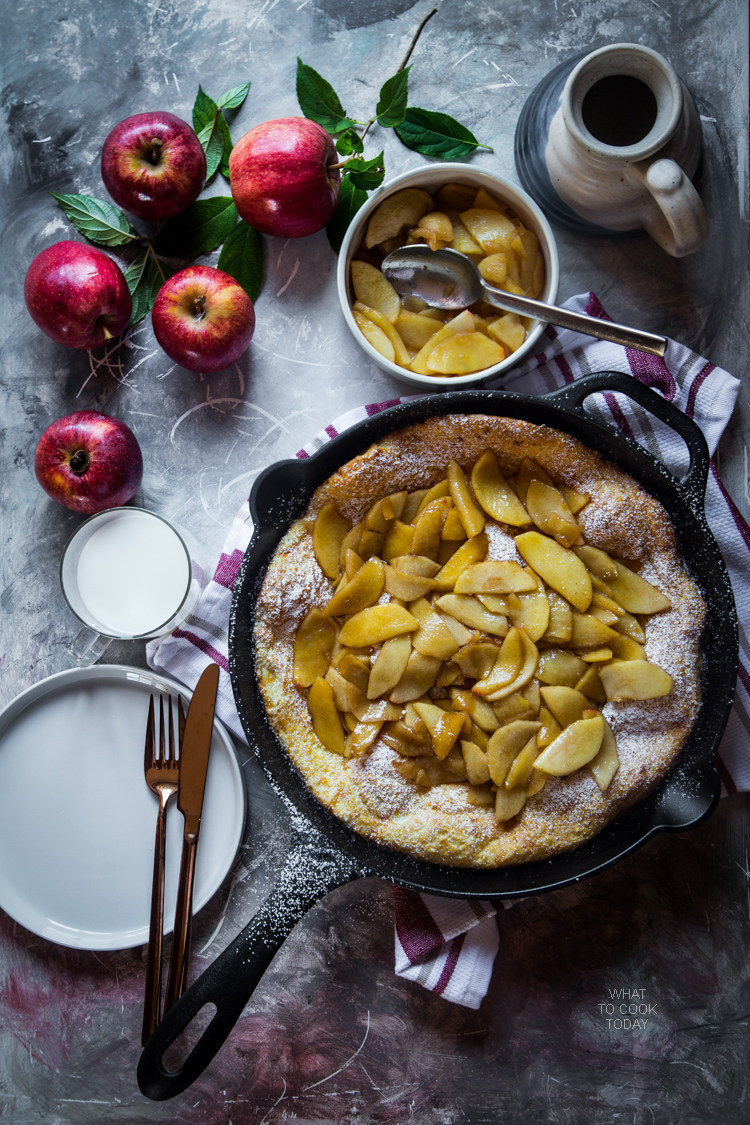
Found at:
<point>195,747</point>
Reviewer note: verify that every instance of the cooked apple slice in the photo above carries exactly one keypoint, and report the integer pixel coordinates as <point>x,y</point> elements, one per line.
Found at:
<point>556,666</point>
<point>433,638</point>
<point>328,534</point>
<point>635,594</point>
<point>464,243</point>
<point>416,564</point>
<point>546,506</point>
<point>533,613</point>
<point>427,528</point>
<point>477,660</point>
<point>453,528</point>
<point>494,494</point>
<point>470,552</point>
<point>471,613</point>
<point>376,624</point>
<point>435,228</point>
<point>575,500</point>
<point>401,210</point>
<point>494,268</point>
<point>350,542</point>
<point>407,587</point>
<point>520,773</point>
<point>389,666</point>
<point>590,685</point>
<point>532,695</point>
<point>370,710</point>
<point>363,590</point>
<point>505,744</point>
<point>437,492</point>
<point>597,655</point>
<point>352,563</point>
<point>355,670</point>
<point>374,335</point>
<point>419,676</point>
<point>463,354</point>
<point>362,737</point>
<point>444,727</point>
<point>597,561</point>
<point>560,626</point>
<point>588,632</point>
<point>464,322</point>
<point>400,351</point>
<point>326,721</point>
<point>578,744</point>
<point>470,515</point>
<point>528,668</point>
<point>634,679</point>
<point>499,603</point>
<point>537,783</point>
<point>370,543</point>
<point>495,577</point>
<point>508,330</point>
<point>512,707</point>
<point>565,703</point>
<point>606,763</point>
<point>558,567</point>
<point>372,288</point>
<point>629,626</point>
<point>459,196</point>
<point>414,329</point>
<point>625,648</point>
<point>313,645</point>
<point>398,540</point>
<point>508,663</point>
<point>530,470</point>
<point>475,760</point>
<point>461,635</point>
<point>484,199</point>
<point>493,230</point>
<point>508,803</point>
<point>479,710</point>
<point>550,727</point>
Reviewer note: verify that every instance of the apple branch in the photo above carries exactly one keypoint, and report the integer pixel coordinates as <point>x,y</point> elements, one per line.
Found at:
<point>415,39</point>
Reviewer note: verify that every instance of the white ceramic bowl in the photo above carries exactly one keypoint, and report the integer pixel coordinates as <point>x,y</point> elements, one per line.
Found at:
<point>431,177</point>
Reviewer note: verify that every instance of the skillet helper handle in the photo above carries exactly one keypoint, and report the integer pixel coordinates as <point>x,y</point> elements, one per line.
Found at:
<point>231,980</point>
<point>695,479</point>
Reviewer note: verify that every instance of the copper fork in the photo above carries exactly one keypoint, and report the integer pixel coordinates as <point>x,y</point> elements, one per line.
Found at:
<point>162,777</point>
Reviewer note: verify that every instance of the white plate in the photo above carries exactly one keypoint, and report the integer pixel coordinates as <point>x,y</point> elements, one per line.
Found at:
<point>77,820</point>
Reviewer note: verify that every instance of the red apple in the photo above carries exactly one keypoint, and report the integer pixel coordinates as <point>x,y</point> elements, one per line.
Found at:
<point>281,179</point>
<point>77,295</point>
<point>153,165</point>
<point>203,319</point>
<point>88,462</point>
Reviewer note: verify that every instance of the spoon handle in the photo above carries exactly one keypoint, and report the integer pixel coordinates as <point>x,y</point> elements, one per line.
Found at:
<point>577,322</point>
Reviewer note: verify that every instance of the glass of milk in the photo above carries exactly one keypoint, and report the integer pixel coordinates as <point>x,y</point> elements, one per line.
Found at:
<point>127,574</point>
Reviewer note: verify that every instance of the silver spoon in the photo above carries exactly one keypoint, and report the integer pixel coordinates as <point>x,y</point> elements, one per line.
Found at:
<point>447,279</point>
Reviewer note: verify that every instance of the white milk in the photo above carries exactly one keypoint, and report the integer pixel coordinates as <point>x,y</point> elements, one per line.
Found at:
<point>133,573</point>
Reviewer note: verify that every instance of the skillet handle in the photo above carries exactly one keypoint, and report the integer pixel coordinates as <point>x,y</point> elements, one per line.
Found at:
<point>309,873</point>
<point>574,394</point>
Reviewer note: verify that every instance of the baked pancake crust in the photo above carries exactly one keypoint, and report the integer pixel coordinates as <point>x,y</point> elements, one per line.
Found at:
<point>439,824</point>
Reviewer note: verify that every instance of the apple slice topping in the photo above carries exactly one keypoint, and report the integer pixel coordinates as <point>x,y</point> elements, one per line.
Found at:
<point>474,670</point>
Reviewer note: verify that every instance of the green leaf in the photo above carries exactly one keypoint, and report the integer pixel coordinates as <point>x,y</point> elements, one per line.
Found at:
<point>100,221</point>
<point>348,142</point>
<point>366,174</point>
<point>242,257</point>
<point>204,110</point>
<point>319,101</point>
<point>199,230</point>
<point>351,200</point>
<point>212,139</point>
<point>234,98</point>
<point>391,108</point>
<point>437,135</point>
<point>144,282</point>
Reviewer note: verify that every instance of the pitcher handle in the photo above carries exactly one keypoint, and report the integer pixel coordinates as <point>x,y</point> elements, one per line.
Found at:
<point>681,223</point>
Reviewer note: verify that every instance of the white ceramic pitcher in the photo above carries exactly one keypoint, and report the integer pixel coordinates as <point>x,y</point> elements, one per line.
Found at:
<point>624,145</point>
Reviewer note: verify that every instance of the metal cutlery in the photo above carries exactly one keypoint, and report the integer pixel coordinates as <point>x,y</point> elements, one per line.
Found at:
<point>162,774</point>
<point>194,751</point>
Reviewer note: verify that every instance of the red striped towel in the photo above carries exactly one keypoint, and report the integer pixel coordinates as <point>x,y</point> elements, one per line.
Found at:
<point>445,944</point>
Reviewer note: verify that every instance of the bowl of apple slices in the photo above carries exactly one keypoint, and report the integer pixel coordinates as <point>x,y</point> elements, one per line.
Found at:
<point>484,216</point>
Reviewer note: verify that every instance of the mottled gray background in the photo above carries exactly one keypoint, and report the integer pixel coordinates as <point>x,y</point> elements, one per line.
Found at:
<point>673,919</point>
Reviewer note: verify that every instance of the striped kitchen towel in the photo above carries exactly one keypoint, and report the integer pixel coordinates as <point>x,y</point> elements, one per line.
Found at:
<point>447,945</point>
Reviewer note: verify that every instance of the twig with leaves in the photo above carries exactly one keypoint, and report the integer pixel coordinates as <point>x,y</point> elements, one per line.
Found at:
<point>427,131</point>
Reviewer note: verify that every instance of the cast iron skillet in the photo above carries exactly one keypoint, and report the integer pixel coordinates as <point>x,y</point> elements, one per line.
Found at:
<point>324,853</point>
